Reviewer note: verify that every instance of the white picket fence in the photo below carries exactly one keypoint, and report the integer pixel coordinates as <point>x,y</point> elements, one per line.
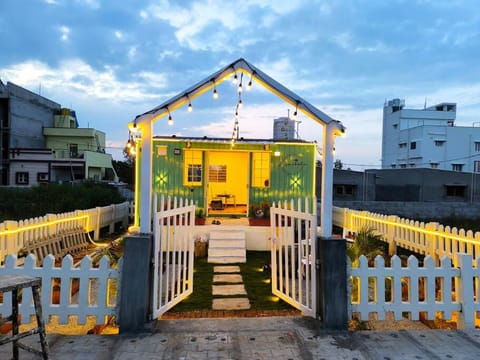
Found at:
<point>437,291</point>
<point>431,238</point>
<point>96,295</point>
<point>14,235</point>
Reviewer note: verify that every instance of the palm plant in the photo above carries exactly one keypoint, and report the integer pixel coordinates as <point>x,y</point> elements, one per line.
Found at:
<point>368,243</point>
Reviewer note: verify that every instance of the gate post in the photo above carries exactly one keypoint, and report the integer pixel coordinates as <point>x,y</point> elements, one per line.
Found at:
<point>332,283</point>
<point>135,283</point>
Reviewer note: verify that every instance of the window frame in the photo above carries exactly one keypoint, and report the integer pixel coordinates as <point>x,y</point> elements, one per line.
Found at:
<point>18,178</point>
<point>192,161</point>
<point>261,169</point>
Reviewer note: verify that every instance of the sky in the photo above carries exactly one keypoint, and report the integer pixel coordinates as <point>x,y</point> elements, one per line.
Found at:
<point>112,60</point>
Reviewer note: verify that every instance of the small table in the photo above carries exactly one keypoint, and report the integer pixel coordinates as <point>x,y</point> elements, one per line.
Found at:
<point>14,283</point>
<point>227,197</point>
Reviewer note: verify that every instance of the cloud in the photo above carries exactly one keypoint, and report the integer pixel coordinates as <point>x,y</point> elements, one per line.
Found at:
<point>217,26</point>
<point>64,33</point>
<point>78,79</point>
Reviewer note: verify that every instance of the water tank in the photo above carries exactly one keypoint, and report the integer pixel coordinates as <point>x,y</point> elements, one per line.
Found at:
<point>283,129</point>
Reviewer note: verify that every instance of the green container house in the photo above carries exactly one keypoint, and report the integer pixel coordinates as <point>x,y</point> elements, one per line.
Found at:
<point>228,178</point>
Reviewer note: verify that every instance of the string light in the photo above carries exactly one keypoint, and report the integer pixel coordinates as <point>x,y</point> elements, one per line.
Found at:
<point>240,84</point>
<point>250,84</point>
<point>170,119</point>
<point>235,78</point>
<point>190,107</point>
<point>215,93</point>
<point>295,113</point>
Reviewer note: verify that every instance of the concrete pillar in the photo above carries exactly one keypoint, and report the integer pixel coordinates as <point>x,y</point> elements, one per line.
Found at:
<point>135,295</point>
<point>332,283</point>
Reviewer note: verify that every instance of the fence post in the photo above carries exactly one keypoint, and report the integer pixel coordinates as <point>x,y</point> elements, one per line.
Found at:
<point>392,247</point>
<point>332,295</point>
<point>96,232</point>
<point>136,277</point>
<point>465,292</point>
<point>432,241</point>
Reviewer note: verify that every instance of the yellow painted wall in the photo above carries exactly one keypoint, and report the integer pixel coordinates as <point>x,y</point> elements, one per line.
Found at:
<point>237,175</point>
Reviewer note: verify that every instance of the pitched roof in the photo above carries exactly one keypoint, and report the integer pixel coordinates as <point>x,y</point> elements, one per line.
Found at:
<point>238,66</point>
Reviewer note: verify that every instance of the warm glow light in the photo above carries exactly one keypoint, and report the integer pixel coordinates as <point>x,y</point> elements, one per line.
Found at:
<point>276,153</point>
<point>190,107</point>
<point>240,88</point>
<point>250,84</point>
<point>266,281</point>
<point>240,103</point>
<point>46,224</point>
<point>235,78</point>
<point>274,298</point>
<point>215,93</point>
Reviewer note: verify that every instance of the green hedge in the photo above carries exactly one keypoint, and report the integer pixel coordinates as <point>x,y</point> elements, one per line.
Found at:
<point>24,203</point>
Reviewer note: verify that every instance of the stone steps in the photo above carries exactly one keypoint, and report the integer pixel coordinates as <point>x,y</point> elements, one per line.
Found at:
<point>228,289</point>
<point>227,247</point>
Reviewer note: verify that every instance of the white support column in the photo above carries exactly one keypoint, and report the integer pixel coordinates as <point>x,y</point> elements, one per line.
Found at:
<point>145,205</point>
<point>326,207</point>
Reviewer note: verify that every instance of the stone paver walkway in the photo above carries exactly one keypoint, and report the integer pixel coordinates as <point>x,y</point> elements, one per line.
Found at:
<point>227,284</point>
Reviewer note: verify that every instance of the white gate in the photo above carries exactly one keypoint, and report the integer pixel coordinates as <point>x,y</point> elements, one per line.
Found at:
<point>173,253</point>
<point>293,235</point>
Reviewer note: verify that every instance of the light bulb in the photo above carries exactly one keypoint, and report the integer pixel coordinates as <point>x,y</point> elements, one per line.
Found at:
<point>235,78</point>
<point>215,93</point>
<point>170,120</point>
<point>190,107</point>
<point>129,144</point>
<point>240,103</point>
<point>249,85</point>
<point>240,88</point>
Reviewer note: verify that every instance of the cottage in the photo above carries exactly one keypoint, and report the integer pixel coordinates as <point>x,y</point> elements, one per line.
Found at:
<point>180,166</point>
<point>229,179</point>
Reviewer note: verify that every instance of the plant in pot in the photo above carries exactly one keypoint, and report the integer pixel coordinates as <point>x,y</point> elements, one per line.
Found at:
<point>259,214</point>
<point>199,216</point>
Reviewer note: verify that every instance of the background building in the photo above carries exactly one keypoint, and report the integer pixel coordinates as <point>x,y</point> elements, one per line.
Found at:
<point>42,142</point>
<point>428,138</point>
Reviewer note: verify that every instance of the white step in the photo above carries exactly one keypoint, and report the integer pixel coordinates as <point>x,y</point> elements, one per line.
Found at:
<point>227,259</point>
<point>226,251</point>
<point>227,234</point>
<point>226,243</point>
<point>227,246</point>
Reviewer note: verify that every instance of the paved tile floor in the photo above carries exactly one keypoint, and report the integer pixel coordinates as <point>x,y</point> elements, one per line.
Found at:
<point>260,338</point>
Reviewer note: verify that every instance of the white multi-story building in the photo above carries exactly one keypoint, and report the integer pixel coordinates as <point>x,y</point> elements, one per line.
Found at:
<point>428,138</point>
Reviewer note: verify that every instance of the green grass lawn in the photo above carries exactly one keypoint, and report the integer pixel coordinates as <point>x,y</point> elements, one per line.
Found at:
<point>256,281</point>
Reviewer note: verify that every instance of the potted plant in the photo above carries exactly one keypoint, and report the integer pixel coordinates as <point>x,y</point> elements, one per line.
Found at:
<point>259,214</point>
<point>199,216</point>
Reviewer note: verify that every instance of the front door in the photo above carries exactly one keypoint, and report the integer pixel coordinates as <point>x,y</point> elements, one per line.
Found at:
<point>227,182</point>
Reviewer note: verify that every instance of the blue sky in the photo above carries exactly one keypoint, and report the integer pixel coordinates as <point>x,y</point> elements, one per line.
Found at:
<point>112,60</point>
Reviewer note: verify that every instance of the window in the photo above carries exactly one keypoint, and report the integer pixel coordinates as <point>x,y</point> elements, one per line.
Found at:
<point>42,177</point>
<point>434,165</point>
<point>261,169</point>
<point>21,178</point>
<point>457,167</point>
<point>455,190</point>
<point>73,150</point>
<point>393,166</point>
<point>403,166</point>
<point>402,145</point>
<point>192,170</point>
<point>344,190</point>
<point>439,143</point>
<point>395,126</point>
<point>476,166</point>
<point>477,146</point>
<point>413,145</point>
<point>217,173</point>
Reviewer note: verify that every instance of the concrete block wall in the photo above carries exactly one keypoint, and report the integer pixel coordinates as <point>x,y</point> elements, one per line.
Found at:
<point>416,210</point>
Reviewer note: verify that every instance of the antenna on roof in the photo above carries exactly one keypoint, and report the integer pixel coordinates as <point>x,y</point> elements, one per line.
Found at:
<point>425,104</point>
